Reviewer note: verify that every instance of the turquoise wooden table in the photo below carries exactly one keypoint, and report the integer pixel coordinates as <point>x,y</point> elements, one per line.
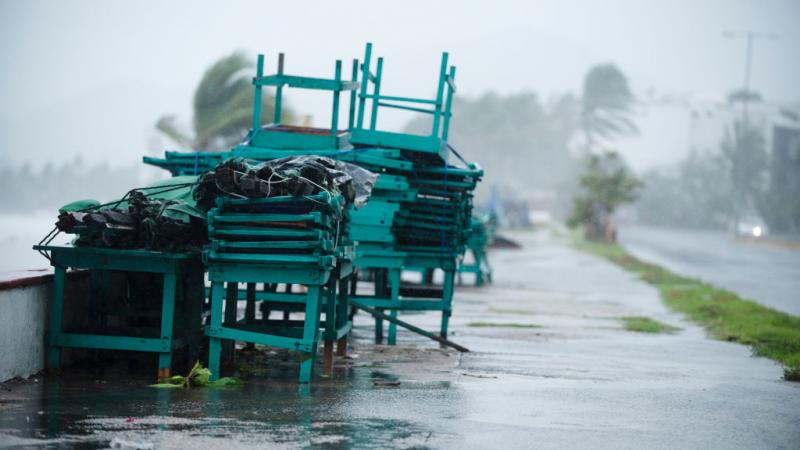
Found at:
<point>289,240</point>
<point>181,291</point>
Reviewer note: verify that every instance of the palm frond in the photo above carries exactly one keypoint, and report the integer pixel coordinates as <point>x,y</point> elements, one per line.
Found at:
<point>167,126</point>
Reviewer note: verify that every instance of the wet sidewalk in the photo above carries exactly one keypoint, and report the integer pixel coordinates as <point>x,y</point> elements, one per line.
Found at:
<point>562,373</point>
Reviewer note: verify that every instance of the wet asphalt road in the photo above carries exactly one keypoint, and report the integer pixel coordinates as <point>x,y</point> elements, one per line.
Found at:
<point>768,274</point>
<point>574,378</point>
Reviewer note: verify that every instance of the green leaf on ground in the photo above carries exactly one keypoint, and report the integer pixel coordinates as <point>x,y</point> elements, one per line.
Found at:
<point>166,385</point>
<point>225,382</point>
<point>198,376</point>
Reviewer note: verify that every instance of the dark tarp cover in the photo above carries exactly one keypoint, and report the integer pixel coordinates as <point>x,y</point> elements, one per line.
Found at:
<point>293,176</point>
<point>161,217</point>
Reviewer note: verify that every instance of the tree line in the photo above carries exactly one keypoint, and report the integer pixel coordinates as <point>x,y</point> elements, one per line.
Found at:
<point>24,189</point>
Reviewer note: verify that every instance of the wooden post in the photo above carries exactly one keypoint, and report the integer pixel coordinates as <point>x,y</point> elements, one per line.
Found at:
<point>257,98</point>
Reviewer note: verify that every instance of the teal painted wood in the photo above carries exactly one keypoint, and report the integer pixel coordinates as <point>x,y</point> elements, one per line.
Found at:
<point>316,235</point>
<point>94,341</point>
<point>376,95</point>
<point>278,94</point>
<point>338,79</point>
<point>100,261</point>
<point>324,245</point>
<point>365,76</point>
<point>351,116</point>
<point>115,259</point>
<point>435,143</point>
<point>261,337</point>
<point>259,256</point>
<point>286,137</point>
<point>311,332</point>
<point>439,94</point>
<point>244,258</point>
<point>367,158</point>
<point>429,261</point>
<point>333,300</point>
<point>392,182</point>
<point>401,305</point>
<point>321,84</point>
<point>292,329</point>
<point>258,94</point>
<point>378,314</point>
<point>376,138</point>
<point>215,327</point>
<point>313,217</point>
<point>363,233</point>
<point>431,228</point>
<point>476,244</point>
<point>188,163</point>
<point>167,320</point>
<point>266,273</point>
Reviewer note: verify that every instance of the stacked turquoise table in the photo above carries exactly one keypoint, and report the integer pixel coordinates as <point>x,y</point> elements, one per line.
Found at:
<point>418,216</point>
<point>477,242</point>
<point>285,239</point>
<point>145,290</point>
<point>425,228</point>
<point>431,224</point>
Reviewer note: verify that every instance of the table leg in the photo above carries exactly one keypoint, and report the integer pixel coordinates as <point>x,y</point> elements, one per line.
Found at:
<point>310,332</point>
<point>56,316</point>
<point>167,317</point>
<point>231,305</point>
<point>214,344</point>
<point>341,313</point>
<point>394,286</point>
<point>250,310</point>
<point>447,297</point>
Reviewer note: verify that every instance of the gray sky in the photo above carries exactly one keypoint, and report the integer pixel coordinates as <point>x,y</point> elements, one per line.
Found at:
<point>91,77</point>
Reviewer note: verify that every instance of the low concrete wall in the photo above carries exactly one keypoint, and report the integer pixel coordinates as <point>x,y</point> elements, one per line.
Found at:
<point>23,321</point>
<point>24,314</point>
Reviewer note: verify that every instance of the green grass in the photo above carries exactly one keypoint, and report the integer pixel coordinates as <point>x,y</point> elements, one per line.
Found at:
<point>725,315</point>
<point>502,325</point>
<point>642,324</point>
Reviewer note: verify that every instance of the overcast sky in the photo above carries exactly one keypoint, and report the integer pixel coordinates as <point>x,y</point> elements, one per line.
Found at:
<point>91,77</point>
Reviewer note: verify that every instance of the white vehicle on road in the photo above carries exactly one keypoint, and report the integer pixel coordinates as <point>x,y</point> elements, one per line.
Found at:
<point>752,226</point>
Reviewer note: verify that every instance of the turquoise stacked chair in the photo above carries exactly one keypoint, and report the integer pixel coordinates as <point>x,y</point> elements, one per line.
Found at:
<point>330,255</point>
<point>431,224</point>
<point>477,243</point>
<point>418,216</point>
<point>286,239</point>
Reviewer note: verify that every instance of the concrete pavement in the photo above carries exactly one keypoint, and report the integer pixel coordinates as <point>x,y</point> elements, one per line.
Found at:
<point>578,380</point>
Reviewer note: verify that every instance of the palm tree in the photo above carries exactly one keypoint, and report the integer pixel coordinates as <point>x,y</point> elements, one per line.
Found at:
<point>223,107</point>
<point>607,105</point>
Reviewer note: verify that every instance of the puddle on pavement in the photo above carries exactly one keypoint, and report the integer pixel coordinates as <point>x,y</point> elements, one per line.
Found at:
<point>365,407</point>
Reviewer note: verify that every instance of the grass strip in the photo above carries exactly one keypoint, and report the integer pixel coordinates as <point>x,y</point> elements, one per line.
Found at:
<point>725,315</point>
<point>641,324</point>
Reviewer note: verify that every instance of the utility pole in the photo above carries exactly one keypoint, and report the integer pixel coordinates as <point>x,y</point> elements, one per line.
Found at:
<point>743,199</point>
<point>749,37</point>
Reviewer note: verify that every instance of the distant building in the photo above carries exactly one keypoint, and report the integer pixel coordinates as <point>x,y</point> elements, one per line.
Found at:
<point>709,119</point>
<point>784,173</point>
<point>779,124</point>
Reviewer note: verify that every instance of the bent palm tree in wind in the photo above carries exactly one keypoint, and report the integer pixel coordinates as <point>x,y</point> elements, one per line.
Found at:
<point>222,109</point>
<point>607,105</point>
